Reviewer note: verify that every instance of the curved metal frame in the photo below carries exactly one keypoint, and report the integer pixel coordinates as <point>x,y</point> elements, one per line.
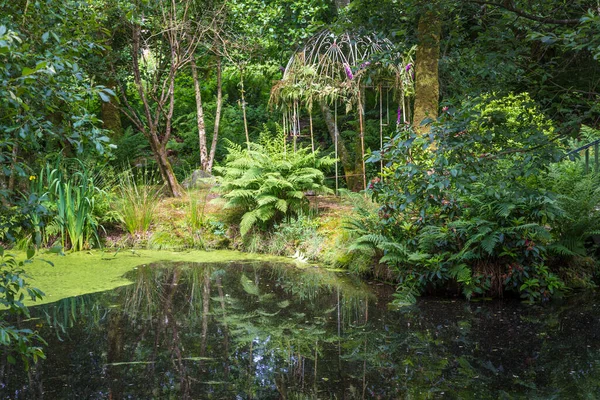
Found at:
<point>332,58</point>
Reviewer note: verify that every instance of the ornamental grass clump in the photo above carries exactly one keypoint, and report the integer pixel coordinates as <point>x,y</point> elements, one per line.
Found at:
<point>138,199</point>
<point>267,181</point>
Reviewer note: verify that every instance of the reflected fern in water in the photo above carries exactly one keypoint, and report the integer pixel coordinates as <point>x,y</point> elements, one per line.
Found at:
<point>271,331</point>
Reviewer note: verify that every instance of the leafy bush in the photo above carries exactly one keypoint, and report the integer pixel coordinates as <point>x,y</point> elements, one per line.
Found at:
<point>268,180</point>
<point>465,203</point>
<point>13,287</point>
<point>359,256</point>
<point>578,196</point>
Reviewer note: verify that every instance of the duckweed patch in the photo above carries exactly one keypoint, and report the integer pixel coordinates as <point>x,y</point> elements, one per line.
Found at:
<point>75,274</point>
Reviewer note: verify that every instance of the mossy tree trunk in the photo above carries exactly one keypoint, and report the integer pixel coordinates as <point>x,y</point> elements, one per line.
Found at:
<point>427,87</point>
<point>111,116</point>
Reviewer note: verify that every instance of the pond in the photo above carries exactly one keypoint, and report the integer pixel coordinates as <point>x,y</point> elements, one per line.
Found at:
<point>270,331</point>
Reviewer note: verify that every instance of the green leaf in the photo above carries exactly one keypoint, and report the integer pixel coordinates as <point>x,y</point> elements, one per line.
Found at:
<point>105,98</point>
<point>27,71</point>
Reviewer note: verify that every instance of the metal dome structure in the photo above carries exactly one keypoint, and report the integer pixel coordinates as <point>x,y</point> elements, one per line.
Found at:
<point>338,69</point>
<point>331,55</point>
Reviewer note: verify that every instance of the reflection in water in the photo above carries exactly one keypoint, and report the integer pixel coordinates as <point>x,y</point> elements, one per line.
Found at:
<point>255,331</point>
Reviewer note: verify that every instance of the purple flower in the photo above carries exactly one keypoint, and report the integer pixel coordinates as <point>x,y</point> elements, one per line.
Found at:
<point>408,67</point>
<point>348,71</point>
<point>399,118</point>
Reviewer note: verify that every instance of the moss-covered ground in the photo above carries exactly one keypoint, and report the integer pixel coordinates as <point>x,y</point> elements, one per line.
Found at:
<point>87,272</point>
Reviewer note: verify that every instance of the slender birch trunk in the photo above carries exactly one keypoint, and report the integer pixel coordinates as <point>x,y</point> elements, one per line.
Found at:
<point>199,117</point>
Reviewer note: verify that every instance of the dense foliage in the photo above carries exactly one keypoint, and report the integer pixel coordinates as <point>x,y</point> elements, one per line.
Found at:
<point>24,343</point>
<point>473,202</point>
<point>481,198</point>
<point>269,180</point>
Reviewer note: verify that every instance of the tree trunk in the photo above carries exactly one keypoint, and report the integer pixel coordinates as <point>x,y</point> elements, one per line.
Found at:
<point>158,103</point>
<point>166,171</point>
<point>205,311</point>
<point>226,357</point>
<point>427,87</point>
<point>213,145</point>
<point>200,117</point>
<point>164,166</point>
<point>13,171</point>
<point>111,117</point>
<point>243,101</point>
<point>353,181</point>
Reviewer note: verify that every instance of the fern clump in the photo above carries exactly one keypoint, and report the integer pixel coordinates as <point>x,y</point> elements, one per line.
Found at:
<point>268,180</point>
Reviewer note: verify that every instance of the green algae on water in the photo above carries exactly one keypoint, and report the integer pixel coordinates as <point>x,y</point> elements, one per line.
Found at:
<point>80,273</point>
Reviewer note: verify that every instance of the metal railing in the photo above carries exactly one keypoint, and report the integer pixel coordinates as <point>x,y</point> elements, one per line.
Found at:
<point>595,145</point>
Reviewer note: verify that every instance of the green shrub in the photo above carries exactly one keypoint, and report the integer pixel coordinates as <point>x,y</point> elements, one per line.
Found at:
<point>465,204</point>
<point>267,181</point>
<point>578,196</point>
<point>296,235</point>
<point>13,286</point>
<point>359,256</point>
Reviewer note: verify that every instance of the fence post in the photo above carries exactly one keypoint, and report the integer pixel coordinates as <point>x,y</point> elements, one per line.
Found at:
<point>587,160</point>
<point>596,157</point>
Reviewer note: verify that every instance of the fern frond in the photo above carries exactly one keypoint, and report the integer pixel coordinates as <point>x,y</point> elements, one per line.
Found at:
<point>244,193</point>
<point>488,244</point>
<point>248,221</point>
<point>266,199</point>
<point>249,286</point>
<point>265,213</point>
<point>563,251</point>
<point>281,205</point>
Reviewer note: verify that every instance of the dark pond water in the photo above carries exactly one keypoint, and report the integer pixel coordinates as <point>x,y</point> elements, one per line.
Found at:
<point>258,331</point>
